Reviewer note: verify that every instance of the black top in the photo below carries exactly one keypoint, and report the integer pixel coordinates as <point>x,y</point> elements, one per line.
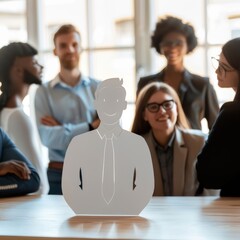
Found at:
<point>218,165</point>
<point>197,95</point>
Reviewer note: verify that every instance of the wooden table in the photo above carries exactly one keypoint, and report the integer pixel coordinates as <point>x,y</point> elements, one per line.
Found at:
<point>193,218</point>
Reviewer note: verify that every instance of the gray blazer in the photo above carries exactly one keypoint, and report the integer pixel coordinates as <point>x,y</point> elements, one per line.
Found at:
<point>187,145</point>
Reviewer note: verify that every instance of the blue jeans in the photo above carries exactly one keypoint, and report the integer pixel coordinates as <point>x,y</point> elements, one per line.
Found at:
<point>55,180</point>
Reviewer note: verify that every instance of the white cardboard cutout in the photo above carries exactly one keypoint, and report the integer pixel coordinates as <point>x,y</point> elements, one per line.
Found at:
<point>87,165</point>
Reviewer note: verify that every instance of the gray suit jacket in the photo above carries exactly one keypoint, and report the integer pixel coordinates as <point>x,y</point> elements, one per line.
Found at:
<point>187,145</point>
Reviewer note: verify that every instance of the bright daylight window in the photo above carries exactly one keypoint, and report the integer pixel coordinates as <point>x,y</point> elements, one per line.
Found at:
<point>108,34</point>
<point>222,24</point>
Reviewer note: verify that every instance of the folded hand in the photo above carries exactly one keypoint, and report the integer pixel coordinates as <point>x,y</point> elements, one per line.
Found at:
<point>16,167</point>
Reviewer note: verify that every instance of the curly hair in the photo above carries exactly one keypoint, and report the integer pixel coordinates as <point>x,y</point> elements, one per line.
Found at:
<point>172,24</point>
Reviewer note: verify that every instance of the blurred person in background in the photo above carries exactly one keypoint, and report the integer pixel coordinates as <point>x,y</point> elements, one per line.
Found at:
<point>64,106</point>
<point>174,147</point>
<point>19,69</point>
<point>218,165</point>
<point>174,39</point>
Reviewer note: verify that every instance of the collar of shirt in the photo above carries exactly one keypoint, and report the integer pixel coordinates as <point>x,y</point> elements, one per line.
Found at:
<point>84,80</point>
<point>103,132</point>
<point>169,145</point>
<point>185,82</point>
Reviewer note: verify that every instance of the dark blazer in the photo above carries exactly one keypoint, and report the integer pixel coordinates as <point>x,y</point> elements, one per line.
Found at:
<point>10,184</point>
<point>197,95</point>
<point>218,165</point>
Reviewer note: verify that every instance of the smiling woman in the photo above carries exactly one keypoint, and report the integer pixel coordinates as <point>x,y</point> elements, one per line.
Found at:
<point>166,105</point>
<point>174,39</point>
<point>160,119</point>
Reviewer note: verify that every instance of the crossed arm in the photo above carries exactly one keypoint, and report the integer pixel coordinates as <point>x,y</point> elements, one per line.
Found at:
<point>51,121</point>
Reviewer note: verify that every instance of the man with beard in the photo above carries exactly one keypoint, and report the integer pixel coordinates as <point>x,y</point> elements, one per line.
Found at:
<point>64,106</point>
<point>19,69</point>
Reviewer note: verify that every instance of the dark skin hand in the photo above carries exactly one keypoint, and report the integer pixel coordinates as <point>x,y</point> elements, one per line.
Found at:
<point>16,167</point>
<point>95,123</point>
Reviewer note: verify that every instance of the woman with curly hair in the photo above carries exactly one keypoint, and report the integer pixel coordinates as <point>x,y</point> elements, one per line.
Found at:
<point>175,39</point>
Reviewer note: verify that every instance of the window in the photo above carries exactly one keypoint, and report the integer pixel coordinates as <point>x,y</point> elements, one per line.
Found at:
<point>215,22</point>
<point>107,33</point>
<point>223,24</point>
<point>116,35</point>
<point>12,21</point>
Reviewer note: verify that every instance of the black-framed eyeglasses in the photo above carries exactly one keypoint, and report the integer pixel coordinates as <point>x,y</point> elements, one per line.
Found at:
<point>171,43</point>
<point>220,66</point>
<point>166,105</point>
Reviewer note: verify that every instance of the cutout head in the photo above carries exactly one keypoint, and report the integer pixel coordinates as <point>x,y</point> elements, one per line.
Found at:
<point>110,100</point>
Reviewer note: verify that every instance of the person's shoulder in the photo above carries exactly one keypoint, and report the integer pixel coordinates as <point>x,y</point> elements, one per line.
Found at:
<point>133,137</point>
<point>41,89</point>
<point>143,81</point>
<point>44,85</point>
<point>196,77</point>
<point>1,132</point>
<point>91,80</point>
<point>194,134</point>
<point>147,136</point>
<point>231,105</point>
<point>129,134</point>
<point>199,82</point>
<point>149,77</point>
<point>13,118</point>
<point>204,80</point>
<point>50,83</point>
<point>20,117</point>
<point>4,137</point>
<point>228,117</point>
<point>230,108</point>
<point>85,138</point>
<point>18,114</point>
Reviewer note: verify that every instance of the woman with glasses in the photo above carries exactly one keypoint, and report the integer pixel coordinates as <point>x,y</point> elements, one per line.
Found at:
<point>160,119</point>
<point>174,39</point>
<point>218,165</point>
